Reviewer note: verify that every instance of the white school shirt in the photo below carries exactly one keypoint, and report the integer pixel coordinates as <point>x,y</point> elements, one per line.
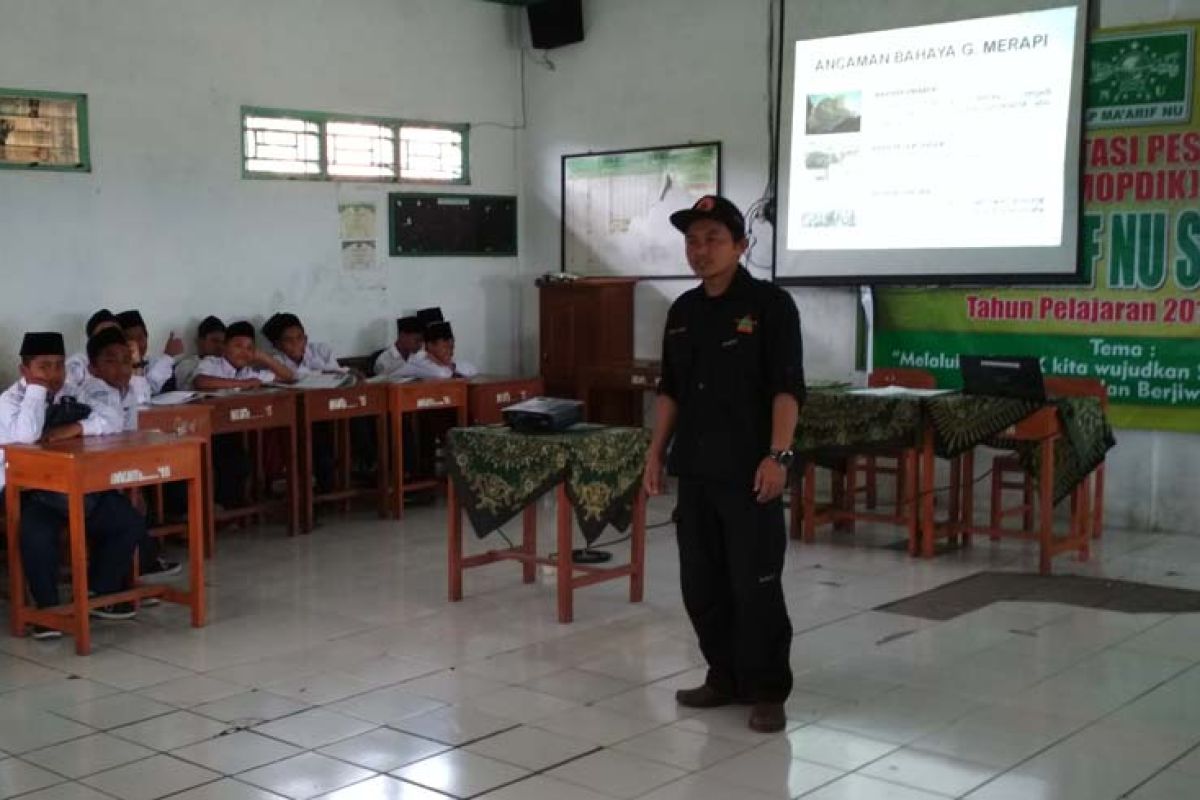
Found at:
<point>159,370</point>
<point>218,367</point>
<point>185,371</point>
<point>422,366</point>
<point>23,416</point>
<point>318,358</point>
<point>117,410</point>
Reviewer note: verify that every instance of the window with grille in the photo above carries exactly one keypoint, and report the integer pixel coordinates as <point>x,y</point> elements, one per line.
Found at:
<point>320,146</point>
<point>43,130</point>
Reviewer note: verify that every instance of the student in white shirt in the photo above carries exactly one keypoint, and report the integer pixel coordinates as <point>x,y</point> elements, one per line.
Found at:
<point>160,369</point>
<point>210,341</point>
<point>293,349</point>
<point>436,361</point>
<point>241,364</point>
<point>77,363</point>
<point>410,337</point>
<point>33,410</point>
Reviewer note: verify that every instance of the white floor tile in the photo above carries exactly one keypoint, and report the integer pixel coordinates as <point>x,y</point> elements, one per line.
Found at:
<point>618,774</point>
<point>320,688</point>
<point>191,690</point>
<point>18,777</point>
<point>699,787</point>
<point>860,787</point>
<point>648,702</point>
<point>115,711</point>
<point>454,725</point>
<point>519,704</point>
<point>384,749</point>
<point>1167,785</point>
<point>772,771</point>
<point>540,788</point>
<point>930,772</point>
<point>250,708</point>
<point>171,731</point>
<point>126,670</point>
<point>383,787</point>
<point>226,789</point>
<point>451,686</point>
<point>535,750</point>
<point>460,773</point>
<point>314,728</point>
<point>596,725</point>
<point>833,748</point>
<point>388,706</point>
<point>305,776</point>
<point>682,748</point>
<point>63,692</point>
<point>579,686</point>
<point>89,755</point>
<point>236,752</point>
<point>150,779</point>
<point>68,791</point>
<point>35,729</point>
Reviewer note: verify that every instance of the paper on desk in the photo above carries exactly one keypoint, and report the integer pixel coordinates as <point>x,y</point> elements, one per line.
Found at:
<point>900,391</point>
<point>172,398</point>
<point>389,379</point>
<point>319,380</point>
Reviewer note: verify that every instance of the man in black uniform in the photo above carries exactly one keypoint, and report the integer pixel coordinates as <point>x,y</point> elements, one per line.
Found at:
<point>732,384</point>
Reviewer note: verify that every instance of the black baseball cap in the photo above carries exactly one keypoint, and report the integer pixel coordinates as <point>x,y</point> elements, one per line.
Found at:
<point>716,208</point>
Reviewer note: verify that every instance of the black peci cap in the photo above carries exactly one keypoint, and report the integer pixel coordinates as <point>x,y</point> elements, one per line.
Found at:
<point>437,331</point>
<point>99,318</point>
<point>210,324</point>
<point>131,319</point>
<point>716,208</point>
<point>44,343</point>
<point>428,316</point>
<point>409,325</point>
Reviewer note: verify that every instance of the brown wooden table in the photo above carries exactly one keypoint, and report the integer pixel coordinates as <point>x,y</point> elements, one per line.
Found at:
<point>569,575</point>
<point>252,413</point>
<point>410,398</point>
<point>339,406</point>
<point>632,377</point>
<point>78,467</point>
<point>188,419</point>
<point>488,396</point>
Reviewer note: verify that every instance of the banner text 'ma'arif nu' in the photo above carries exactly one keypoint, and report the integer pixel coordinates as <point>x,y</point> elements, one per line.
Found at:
<point>1135,322</point>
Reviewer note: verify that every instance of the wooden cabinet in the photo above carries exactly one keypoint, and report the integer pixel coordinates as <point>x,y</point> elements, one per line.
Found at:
<point>586,323</point>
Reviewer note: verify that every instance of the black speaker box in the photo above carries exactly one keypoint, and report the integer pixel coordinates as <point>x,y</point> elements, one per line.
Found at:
<point>554,23</point>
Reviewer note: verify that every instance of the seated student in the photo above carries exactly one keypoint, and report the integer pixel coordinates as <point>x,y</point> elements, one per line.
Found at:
<point>77,363</point>
<point>410,337</point>
<point>34,410</point>
<point>293,349</point>
<point>436,361</point>
<point>240,366</point>
<point>160,369</point>
<point>210,341</point>
<point>114,393</point>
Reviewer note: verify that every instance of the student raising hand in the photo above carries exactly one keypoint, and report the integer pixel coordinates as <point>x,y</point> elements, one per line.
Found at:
<point>174,346</point>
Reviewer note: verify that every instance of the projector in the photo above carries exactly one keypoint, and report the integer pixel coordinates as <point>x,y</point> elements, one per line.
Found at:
<point>543,415</point>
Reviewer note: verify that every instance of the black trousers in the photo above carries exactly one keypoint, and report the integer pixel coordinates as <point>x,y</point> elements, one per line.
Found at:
<point>231,470</point>
<point>114,529</point>
<point>731,550</point>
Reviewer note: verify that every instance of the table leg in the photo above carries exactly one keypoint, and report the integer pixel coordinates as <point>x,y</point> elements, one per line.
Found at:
<point>345,458</point>
<point>454,531</point>
<point>926,472</point>
<point>16,573</point>
<point>637,553</point>
<point>566,610</point>
<point>77,536</point>
<point>293,487</point>
<point>305,429</point>
<point>1046,505</point>
<point>968,497</point>
<point>195,535</point>
<point>207,507</point>
<point>398,465</point>
<point>528,541</point>
<point>381,465</point>
<point>912,514</point>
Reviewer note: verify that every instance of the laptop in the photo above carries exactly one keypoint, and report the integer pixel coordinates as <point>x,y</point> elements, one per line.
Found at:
<point>1017,377</point>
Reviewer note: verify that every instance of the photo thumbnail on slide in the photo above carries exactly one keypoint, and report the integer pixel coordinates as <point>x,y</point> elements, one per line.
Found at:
<point>951,135</point>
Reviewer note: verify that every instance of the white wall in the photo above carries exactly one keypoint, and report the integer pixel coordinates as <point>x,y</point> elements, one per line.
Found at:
<point>165,221</point>
<point>656,72</point>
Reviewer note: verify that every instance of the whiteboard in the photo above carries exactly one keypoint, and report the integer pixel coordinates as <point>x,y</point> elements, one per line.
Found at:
<point>616,208</point>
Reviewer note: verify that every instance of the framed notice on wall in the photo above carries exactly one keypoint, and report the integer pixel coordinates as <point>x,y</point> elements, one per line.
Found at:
<point>616,207</point>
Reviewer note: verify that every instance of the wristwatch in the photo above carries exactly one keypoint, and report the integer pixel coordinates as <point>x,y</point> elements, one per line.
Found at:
<point>783,458</point>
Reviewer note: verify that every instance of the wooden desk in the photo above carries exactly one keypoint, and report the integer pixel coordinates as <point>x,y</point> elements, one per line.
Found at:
<point>189,419</point>
<point>409,398</point>
<point>339,406</point>
<point>632,377</point>
<point>252,413</point>
<point>569,576</point>
<point>487,397</point>
<point>93,464</point>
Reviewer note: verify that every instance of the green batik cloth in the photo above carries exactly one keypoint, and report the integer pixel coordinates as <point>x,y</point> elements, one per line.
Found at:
<point>498,472</point>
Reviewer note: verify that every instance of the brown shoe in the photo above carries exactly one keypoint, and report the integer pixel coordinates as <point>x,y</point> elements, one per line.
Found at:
<point>767,717</point>
<point>703,697</point>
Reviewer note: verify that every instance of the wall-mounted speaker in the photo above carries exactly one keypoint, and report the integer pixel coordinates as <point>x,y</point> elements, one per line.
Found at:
<point>554,23</point>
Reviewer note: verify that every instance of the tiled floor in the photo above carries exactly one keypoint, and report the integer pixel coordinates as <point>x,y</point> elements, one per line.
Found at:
<point>333,667</point>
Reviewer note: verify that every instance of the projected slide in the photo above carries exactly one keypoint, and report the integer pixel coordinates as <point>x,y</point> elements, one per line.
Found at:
<point>933,137</point>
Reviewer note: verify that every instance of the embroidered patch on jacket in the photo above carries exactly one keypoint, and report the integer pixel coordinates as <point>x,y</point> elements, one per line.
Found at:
<point>746,324</point>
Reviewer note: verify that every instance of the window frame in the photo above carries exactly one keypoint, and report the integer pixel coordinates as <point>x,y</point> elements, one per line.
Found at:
<point>81,130</point>
<point>322,118</point>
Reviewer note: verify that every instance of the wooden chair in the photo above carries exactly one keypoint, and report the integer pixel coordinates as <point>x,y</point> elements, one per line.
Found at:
<point>1009,474</point>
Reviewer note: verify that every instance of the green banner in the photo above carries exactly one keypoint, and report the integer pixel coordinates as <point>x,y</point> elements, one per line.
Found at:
<point>1136,324</point>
